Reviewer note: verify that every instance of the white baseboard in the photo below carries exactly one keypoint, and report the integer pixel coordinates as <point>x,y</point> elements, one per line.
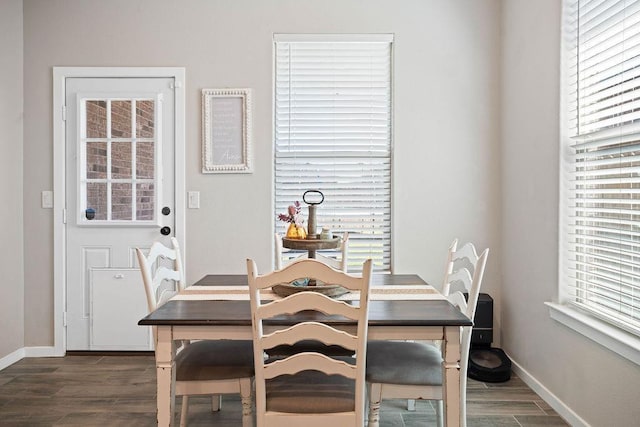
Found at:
<point>42,352</point>
<point>23,352</point>
<point>559,406</point>
<point>11,358</point>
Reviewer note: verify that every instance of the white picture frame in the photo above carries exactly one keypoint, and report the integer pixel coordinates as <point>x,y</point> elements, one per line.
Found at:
<point>226,131</point>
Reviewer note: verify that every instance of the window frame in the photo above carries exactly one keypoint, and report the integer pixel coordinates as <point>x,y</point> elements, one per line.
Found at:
<point>278,207</point>
<point>562,310</point>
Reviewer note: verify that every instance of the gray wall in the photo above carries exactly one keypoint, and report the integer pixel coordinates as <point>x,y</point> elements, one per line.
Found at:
<point>600,386</point>
<point>446,173</point>
<point>11,254</point>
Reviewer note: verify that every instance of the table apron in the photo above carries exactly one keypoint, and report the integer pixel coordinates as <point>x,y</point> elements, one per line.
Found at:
<point>244,332</point>
<point>212,332</point>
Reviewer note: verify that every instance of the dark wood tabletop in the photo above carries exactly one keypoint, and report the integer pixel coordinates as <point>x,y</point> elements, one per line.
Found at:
<point>376,280</point>
<point>238,313</point>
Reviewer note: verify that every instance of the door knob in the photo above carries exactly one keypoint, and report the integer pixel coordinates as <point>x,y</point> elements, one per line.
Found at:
<point>166,210</point>
<point>165,231</point>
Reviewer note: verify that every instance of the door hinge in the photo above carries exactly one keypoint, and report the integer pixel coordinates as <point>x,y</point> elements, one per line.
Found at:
<point>64,113</point>
<point>64,318</point>
<point>64,216</point>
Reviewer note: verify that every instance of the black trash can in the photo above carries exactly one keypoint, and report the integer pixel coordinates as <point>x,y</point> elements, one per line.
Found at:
<point>486,363</point>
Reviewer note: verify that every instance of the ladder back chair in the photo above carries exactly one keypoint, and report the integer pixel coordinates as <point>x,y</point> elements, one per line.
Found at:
<point>445,289</point>
<point>309,388</point>
<point>202,367</point>
<point>413,370</point>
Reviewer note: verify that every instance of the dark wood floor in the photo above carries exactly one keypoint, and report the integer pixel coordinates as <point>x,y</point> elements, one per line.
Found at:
<point>117,390</point>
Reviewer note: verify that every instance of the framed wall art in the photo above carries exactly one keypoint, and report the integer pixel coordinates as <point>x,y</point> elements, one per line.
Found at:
<point>226,131</point>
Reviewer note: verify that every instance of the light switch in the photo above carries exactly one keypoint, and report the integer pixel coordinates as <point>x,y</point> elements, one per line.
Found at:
<point>47,199</point>
<point>193,199</point>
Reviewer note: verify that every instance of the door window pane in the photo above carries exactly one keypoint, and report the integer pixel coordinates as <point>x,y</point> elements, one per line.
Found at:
<point>145,166</point>
<point>96,162</point>
<point>96,115</point>
<point>121,119</point>
<point>145,119</point>
<point>121,160</point>
<point>97,199</point>
<point>121,201</point>
<point>145,201</point>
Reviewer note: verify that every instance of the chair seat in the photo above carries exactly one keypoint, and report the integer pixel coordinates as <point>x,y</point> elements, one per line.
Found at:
<point>402,362</point>
<point>310,392</point>
<point>215,360</point>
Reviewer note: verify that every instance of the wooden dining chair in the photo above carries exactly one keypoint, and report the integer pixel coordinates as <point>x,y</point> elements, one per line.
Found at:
<point>310,388</point>
<point>202,367</point>
<point>413,370</point>
<point>337,263</point>
<point>453,256</point>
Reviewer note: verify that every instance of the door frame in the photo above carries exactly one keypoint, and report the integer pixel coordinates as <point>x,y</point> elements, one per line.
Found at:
<point>60,74</point>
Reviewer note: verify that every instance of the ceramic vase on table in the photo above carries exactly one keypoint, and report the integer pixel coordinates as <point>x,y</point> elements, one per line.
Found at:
<point>296,232</point>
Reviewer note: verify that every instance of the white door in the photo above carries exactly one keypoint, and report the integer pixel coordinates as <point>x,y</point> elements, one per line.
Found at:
<point>119,195</point>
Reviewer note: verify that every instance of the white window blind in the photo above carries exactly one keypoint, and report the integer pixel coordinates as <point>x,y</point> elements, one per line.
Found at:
<point>602,218</point>
<point>333,134</point>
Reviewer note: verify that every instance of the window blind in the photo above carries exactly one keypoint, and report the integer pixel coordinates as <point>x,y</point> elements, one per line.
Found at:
<point>333,133</point>
<point>602,215</point>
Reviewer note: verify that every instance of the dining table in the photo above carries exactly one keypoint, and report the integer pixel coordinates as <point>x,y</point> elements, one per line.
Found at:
<point>401,307</point>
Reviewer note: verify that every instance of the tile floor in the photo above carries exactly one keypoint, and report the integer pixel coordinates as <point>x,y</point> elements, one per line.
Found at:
<point>117,390</point>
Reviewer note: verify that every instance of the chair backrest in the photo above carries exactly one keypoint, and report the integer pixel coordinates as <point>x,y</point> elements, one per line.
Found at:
<point>162,272</point>
<point>311,327</point>
<point>469,278</point>
<point>337,263</point>
<point>459,259</point>
<point>449,267</point>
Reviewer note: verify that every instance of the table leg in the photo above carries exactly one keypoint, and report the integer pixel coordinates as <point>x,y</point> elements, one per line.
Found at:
<point>166,375</point>
<point>451,376</point>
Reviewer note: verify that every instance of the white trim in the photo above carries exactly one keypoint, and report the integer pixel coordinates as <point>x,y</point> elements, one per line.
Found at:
<point>177,72</point>
<point>11,358</point>
<point>558,405</point>
<point>60,74</point>
<point>23,352</point>
<point>180,187</point>
<point>42,352</point>
<point>623,343</point>
<point>385,38</point>
<point>59,203</point>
